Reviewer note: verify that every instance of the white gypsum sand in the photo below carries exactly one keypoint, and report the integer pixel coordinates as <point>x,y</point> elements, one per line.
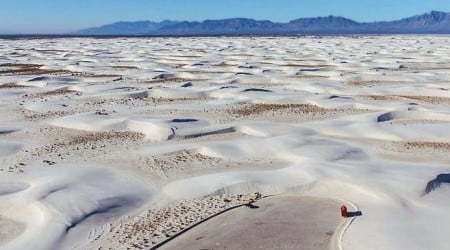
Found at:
<point>123,143</point>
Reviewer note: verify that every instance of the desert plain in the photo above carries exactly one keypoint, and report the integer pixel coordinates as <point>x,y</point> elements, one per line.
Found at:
<point>225,142</point>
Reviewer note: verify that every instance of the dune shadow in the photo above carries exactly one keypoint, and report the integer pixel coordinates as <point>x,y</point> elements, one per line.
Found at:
<point>256,90</point>
<point>436,183</point>
<point>6,132</point>
<point>187,85</point>
<point>385,117</point>
<point>181,120</point>
<point>250,205</point>
<point>215,132</point>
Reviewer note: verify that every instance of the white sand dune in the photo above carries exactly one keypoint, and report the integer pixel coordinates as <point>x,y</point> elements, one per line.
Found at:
<point>8,148</point>
<point>58,209</point>
<point>9,230</point>
<point>153,129</point>
<point>123,143</point>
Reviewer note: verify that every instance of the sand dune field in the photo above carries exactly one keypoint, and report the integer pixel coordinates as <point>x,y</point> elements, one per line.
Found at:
<point>125,143</point>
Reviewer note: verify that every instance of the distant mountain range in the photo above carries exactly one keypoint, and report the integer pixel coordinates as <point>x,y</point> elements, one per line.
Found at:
<point>434,22</point>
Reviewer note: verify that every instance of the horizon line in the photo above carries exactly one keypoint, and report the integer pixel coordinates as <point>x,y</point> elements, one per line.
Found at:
<point>68,33</point>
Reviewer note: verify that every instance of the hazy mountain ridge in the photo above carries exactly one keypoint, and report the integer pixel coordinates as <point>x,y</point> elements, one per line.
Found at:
<point>432,22</point>
<point>130,28</point>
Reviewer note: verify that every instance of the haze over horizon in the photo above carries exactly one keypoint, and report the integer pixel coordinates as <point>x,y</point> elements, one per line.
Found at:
<point>46,16</point>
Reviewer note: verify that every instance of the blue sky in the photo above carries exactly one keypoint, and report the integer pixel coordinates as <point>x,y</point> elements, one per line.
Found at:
<point>49,16</point>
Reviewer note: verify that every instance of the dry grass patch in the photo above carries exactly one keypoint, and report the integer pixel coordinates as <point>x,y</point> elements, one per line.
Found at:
<point>46,115</point>
<point>358,83</point>
<point>28,69</point>
<point>309,76</point>
<point>104,136</point>
<point>172,80</point>
<point>241,54</point>
<point>206,72</point>
<point>305,65</point>
<point>56,92</point>
<point>86,74</point>
<point>180,160</point>
<point>12,86</point>
<point>178,65</point>
<point>258,109</point>
<point>224,64</point>
<point>382,97</point>
<point>50,50</point>
<point>429,99</point>
<point>421,68</point>
<point>124,67</point>
<point>443,146</point>
<point>175,57</point>
<point>85,144</point>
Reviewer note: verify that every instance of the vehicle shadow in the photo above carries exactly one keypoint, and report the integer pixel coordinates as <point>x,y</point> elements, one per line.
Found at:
<point>354,214</point>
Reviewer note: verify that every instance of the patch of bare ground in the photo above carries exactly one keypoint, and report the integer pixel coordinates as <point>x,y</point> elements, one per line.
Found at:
<point>161,100</point>
<point>417,121</point>
<point>189,162</point>
<point>28,69</point>
<point>414,151</point>
<point>442,146</point>
<point>308,61</point>
<point>187,56</point>
<point>53,93</point>
<point>12,86</point>
<point>309,76</point>
<point>299,65</point>
<point>86,74</point>
<point>421,68</point>
<point>104,136</point>
<point>124,67</point>
<point>9,230</point>
<point>224,64</point>
<point>172,80</point>
<point>369,83</point>
<point>427,99</point>
<point>94,143</point>
<point>50,50</point>
<point>19,65</point>
<point>13,168</point>
<point>206,72</point>
<point>184,160</point>
<point>382,97</point>
<point>241,54</point>
<point>35,116</point>
<point>295,109</point>
<point>359,83</point>
<point>268,63</point>
<point>59,145</point>
<point>137,102</point>
<point>178,65</point>
<point>160,222</point>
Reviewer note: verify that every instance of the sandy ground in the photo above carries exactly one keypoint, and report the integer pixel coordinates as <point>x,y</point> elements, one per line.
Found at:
<point>285,222</point>
<point>123,143</point>
<point>9,230</point>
